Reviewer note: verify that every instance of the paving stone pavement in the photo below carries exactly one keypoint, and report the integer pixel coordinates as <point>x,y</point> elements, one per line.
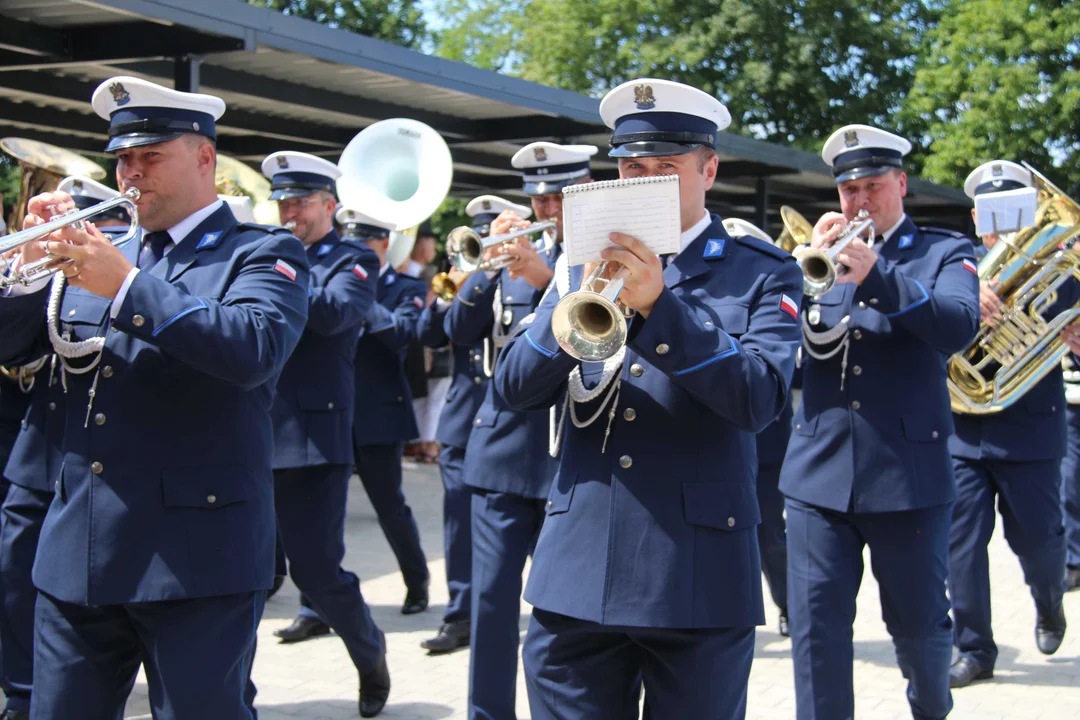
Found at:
<point>316,681</point>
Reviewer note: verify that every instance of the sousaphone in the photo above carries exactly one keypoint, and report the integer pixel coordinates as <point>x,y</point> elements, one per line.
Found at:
<point>43,166</point>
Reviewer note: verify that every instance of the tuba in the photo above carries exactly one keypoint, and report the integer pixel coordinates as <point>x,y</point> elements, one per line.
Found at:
<point>1008,357</point>
<point>397,170</point>
<point>43,166</point>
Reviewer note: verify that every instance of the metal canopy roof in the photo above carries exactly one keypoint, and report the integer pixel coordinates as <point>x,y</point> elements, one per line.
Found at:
<point>295,84</point>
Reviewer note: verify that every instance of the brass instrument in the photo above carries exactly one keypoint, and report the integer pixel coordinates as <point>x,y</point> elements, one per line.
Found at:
<point>1009,356</point>
<point>797,230</point>
<point>43,166</point>
<point>48,265</point>
<point>235,179</point>
<point>819,265</point>
<point>444,286</point>
<point>590,323</point>
<point>465,248</point>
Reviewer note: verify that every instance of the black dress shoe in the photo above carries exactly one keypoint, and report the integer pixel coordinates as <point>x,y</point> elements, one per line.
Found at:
<point>10,714</point>
<point>374,689</point>
<point>785,630</point>
<point>279,580</point>
<point>303,628</point>
<point>451,636</point>
<point>966,671</point>
<point>416,600</point>
<point>1050,631</point>
<point>1072,578</point>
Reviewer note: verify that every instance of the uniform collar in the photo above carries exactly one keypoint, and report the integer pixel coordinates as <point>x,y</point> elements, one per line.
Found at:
<point>688,236</point>
<point>885,236</point>
<point>182,229</point>
<point>383,270</point>
<point>692,262</point>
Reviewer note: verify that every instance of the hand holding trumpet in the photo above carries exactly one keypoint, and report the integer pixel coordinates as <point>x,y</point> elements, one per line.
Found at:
<point>638,267</point>
<point>857,257</point>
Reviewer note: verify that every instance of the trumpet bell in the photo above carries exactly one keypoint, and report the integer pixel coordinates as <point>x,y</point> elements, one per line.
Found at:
<point>588,326</point>
<point>464,248</point>
<point>819,270</point>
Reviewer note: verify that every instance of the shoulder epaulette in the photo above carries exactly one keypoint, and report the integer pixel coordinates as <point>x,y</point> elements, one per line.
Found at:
<point>763,247</point>
<point>272,229</point>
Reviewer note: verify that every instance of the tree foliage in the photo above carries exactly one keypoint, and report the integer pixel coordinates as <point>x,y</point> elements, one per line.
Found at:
<point>790,72</point>
<point>398,21</point>
<point>999,79</point>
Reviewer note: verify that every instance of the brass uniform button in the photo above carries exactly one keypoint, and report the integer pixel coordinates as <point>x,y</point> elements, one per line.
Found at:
<point>662,349</point>
<point>626,461</point>
<point>731,522</point>
<point>99,419</point>
<point>855,405</point>
<point>107,371</point>
<point>629,414</point>
<point>636,370</point>
<point>96,468</point>
<point>211,499</point>
<point>138,321</point>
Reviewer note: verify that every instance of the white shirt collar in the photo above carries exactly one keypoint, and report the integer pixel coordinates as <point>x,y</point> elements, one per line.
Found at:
<point>692,234</point>
<point>885,236</point>
<point>182,229</point>
<point>383,269</point>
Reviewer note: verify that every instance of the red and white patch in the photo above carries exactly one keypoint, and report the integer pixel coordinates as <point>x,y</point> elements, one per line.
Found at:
<point>418,302</point>
<point>788,305</point>
<point>360,272</point>
<point>968,265</point>
<point>285,269</point>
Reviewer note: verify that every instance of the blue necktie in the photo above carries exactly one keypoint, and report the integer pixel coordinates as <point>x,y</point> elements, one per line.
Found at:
<point>153,248</point>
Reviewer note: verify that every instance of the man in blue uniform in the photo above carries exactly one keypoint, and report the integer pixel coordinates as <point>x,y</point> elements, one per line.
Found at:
<point>507,461</point>
<point>647,568</point>
<point>867,463</point>
<point>32,471</point>
<point>771,447</point>
<point>466,394</point>
<point>1070,475</point>
<point>1013,458</point>
<point>312,414</point>
<point>383,420</point>
<point>168,345</point>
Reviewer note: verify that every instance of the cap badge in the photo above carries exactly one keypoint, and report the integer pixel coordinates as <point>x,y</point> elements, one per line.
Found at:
<point>644,98</point>
<point>487,204</point>
<point>283,162</point>
<point>120,94</point>
<point>997,170</point>
<point>851,138</point>
<point>540,154</point>
<point>77,185</point>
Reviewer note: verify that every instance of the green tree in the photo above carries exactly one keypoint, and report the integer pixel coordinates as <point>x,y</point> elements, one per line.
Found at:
<point>999,79</point>
<point>398,21</point>
<point>790,72</point>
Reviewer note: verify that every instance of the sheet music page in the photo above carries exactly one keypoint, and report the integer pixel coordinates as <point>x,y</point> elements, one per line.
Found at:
<point>646,208</point>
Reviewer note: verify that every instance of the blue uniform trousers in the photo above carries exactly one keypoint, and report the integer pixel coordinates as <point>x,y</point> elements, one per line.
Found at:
<point>196,654</point>
<point>579,670</point>
<point>1028,499</point>
<point>772,535</point>
<point>1070,488</point>
<point>457,532</point>
<point>909,559</point>
<point>379,468</point>
<point>23,514</point>
<point>504,530</point>
<point>310,504</point>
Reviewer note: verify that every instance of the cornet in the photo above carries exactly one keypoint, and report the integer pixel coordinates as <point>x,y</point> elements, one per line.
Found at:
<point>590,323</point>
<point>819,266</point>
<point>50,264</point>
<point>466,248</point>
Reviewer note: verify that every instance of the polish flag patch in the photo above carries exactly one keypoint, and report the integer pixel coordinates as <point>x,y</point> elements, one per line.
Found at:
<point>360,272</point>
<point>788,305</point>
<point>968,265</point>
<point>285,269</point>
<point>418,302</point>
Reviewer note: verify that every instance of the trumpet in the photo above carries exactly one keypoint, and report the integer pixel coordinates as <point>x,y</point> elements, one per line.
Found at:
<point>50,264</point>
<point>466,248</point>
<point>444,286</point>
<point>590,323</point>
<point>819,266</point>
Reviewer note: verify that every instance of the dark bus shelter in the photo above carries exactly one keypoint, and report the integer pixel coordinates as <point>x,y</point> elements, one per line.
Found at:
<point>298,85</point>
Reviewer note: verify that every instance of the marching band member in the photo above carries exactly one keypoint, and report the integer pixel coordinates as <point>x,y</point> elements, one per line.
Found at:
<point>868,463</point>
<point>33,470</point>
<point>383,421</point>
<point>647,569</point>
<point>1011,458</point>
<point>313,412</point>
<point>159,545</point>
<point>466,394</point>
<point>507,462</point>
<point>1070,475</point>
<point>771,446</point>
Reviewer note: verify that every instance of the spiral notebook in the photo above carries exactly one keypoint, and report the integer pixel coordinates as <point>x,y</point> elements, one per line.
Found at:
<point>646,208</point>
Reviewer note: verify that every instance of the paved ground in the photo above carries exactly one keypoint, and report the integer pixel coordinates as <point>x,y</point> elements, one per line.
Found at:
<point>316,681</point>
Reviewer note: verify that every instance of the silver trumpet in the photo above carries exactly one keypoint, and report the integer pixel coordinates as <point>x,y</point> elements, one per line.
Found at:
<point>50,264</point>
<point>590,324</point>
<point>466,248</point>
<point>819,265</point>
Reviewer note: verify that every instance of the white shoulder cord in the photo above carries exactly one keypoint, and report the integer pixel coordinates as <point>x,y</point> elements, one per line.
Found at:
<point>66,350</point>
<point>811,338</point>
<point>26,375</point>
<point>576,392</point>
